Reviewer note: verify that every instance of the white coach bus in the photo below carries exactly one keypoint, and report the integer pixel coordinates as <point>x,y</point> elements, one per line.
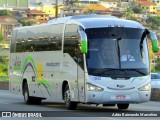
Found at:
<point>90,59</point>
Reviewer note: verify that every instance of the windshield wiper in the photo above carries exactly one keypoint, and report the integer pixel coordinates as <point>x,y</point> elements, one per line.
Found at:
<point>136,70</point>
<point>106,70</point>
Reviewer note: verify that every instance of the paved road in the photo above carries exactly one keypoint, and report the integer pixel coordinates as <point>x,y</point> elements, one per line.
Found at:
<point>11,102</point>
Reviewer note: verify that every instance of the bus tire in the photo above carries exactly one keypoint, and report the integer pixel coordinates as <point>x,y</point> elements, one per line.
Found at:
<point>27,98</point>
<point>123,106</point>
<point>37,101</point>
<point>68,103</point>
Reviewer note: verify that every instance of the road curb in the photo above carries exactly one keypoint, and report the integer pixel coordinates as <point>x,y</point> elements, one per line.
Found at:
<point>4,85</point>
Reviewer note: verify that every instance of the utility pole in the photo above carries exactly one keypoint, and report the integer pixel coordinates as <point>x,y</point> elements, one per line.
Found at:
<point>56,9</point>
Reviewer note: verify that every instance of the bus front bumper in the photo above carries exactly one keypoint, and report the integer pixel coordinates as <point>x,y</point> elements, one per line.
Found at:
<point>117,97</point>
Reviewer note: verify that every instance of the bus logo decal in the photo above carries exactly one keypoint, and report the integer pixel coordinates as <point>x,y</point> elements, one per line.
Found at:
<point>53,64</point>
<point>120,86</point>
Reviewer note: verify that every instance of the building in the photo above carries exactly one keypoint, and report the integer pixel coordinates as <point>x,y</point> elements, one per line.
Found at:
<point>125,3</point>
<point>142,18</point>
<point>149,7</point>
<point>97,7</point>
<point>50,9</point>
<point>6,26</point>
<point>40,16</point>
<point>89,1</point>
<point>84,3</point>
<point>109,3</point>
<point>71,11</point>
<point>157,2</point>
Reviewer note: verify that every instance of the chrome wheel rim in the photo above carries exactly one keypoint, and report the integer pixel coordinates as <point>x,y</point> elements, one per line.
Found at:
<point>67,98</point>
<point>25,95</point>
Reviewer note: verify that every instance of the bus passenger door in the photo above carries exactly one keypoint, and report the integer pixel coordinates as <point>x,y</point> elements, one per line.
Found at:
<point>81,78</point>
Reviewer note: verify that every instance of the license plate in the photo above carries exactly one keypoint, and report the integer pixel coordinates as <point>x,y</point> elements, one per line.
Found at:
<point>120,97</point>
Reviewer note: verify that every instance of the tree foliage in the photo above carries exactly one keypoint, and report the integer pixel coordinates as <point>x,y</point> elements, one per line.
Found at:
<point>71,2</point>
<point>157,67</point>
<point>1,38</point>
<point>91,11</point>
<point>32,22</point>
<point>128,12</point>
<point>29,23</point>
<point>5,12</point>
<point>154,22</point>
<point>23,22</point>
<point>138,10</point>
<point>3,65</point>
<point>134,19</point>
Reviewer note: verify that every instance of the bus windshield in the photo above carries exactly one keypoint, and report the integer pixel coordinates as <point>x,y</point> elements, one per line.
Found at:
<point>117,52</point>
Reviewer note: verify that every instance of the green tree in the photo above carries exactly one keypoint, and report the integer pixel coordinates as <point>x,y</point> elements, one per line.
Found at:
<point>1,38</point>
<point>138,10</point>
<point>91,11</point>
<point>157,67</point>
<point>23,22</point>
<point>32,22</point>
<point>154,22</point>
<point>72,2</point>
<point>134,19</point>
<point>5,12</point>
<point>128,12</point>
<point>3,60</point>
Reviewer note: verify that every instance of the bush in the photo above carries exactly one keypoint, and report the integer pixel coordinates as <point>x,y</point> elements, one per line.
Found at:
<point>138,10</point>
<point>1,38</point>
<point>4,67</point>
<point>5,12</point>
<point>23,22</point>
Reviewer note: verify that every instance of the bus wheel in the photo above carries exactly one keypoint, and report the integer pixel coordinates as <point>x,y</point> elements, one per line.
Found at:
<point>27,98</point>
<point>68,103</point>
<point>123,106</point>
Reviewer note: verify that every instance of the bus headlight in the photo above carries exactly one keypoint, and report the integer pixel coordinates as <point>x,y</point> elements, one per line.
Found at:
<point>145,88</point>
<point>91,87</point>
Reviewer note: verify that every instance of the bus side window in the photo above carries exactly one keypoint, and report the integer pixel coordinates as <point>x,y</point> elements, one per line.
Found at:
<point>71,38</point>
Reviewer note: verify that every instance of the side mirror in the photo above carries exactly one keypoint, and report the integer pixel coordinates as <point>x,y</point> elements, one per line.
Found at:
<point>84,42</point>
<point>154,40</point>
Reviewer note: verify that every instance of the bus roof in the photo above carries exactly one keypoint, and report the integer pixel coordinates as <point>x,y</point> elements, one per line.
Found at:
<point>93,21</point>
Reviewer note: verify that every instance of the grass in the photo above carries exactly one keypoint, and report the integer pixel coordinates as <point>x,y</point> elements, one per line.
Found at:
<point>4,79</point>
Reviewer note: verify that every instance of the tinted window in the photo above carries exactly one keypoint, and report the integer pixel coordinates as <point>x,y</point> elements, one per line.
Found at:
<point>71,44</point>
<point>21,39</point>
<point>117,48</point>
<point>40,38</point>
<point>71,39</point>
<point>155,76</point>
